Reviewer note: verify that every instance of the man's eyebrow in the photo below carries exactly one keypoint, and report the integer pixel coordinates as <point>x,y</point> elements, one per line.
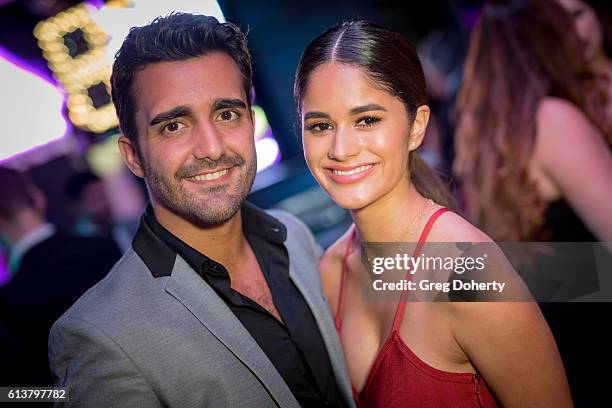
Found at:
<point>367,108</point>
<point>173,113</point>
<point>227,103</point>
<point>316,115</point>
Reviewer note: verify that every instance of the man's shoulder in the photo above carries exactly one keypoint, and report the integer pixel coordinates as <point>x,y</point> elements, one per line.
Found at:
<point>62,237</point>
<point>64,246</point>
<point>128,283</point>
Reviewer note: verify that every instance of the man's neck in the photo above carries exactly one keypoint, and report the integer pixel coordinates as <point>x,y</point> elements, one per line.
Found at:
<point>221,242</point>
<point>32,233</point>
<point>24,223</point>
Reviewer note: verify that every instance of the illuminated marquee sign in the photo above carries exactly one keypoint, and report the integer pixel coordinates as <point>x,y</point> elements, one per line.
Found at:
<point>75,48</point>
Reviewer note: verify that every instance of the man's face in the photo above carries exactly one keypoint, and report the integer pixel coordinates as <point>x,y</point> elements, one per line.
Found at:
<point>196,138</point>
<point>94,203</point>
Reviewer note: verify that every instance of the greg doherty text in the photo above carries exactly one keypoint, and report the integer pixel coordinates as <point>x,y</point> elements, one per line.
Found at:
<point>426,285</point>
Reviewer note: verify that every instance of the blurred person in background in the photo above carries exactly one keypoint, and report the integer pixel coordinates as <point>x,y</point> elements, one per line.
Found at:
<point>361,96</point>
<point>533,138</point>
<point>593,23</point>
<point>93,213</point>
<point>442,53</point>
<point>533,155</point>
<point>49,270</point>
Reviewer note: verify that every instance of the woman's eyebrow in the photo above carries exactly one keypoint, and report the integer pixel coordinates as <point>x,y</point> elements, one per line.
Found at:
<point>366,108</point>
<point>359,109</point>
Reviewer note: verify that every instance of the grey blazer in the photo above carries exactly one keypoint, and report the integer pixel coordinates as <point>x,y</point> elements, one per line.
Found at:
<point>134,340</point>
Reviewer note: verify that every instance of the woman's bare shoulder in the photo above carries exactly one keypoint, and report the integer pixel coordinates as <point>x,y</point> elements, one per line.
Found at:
<point>558,110</point>
<point>561,122</point>
<point>452,227</point>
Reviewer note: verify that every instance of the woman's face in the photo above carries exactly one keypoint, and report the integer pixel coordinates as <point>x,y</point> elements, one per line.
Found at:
<point>356,137</point>
<point>587,25</point>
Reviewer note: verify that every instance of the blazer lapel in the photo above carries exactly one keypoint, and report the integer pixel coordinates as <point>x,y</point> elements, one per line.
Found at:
<point>310,289</point>
<point>196,295</point>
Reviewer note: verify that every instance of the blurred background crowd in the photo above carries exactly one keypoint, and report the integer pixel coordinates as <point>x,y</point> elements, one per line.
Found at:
<point>521,100</point>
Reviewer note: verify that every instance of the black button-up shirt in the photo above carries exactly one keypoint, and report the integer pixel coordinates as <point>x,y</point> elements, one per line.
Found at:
<point>296,347</point>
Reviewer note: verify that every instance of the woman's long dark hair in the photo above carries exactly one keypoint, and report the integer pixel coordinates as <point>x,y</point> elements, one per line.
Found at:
<point>392,64</point>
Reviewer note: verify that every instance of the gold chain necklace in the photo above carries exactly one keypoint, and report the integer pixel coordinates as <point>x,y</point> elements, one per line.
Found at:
<point>416,220</point>
<point>413,224</point>
<point>419,217</point>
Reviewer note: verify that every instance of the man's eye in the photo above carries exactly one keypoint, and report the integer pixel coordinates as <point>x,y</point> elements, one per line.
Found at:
<point>228,115</point>
<point>319,127</point>
<point>172,127</point>
<point>368,121</point>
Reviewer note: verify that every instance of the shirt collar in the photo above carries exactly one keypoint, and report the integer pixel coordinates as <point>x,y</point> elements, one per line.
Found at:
<point>27,242</point>
<point>158,247</point>
<point>258,222</point>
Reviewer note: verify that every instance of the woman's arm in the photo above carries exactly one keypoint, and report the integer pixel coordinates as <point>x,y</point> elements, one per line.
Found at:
<point>511,346</point>
<point>572,153</point>
<point>509,343</point>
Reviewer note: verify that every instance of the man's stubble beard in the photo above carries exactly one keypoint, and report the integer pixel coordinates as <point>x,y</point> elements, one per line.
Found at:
<point>214,205</point>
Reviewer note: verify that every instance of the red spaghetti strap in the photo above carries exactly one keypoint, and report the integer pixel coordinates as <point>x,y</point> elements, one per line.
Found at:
<point>401,306</point>
<point>343,278</point>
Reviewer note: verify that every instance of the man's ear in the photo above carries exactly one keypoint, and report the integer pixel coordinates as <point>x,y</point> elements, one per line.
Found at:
<point>419,126</point>
<point>130,156</point>
<point>40,202</point>
<point>253,118</point>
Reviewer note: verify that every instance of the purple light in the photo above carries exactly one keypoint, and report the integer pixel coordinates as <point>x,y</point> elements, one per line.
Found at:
<point>5,273</point>
<point>95,3</point>
<point>27,66</point>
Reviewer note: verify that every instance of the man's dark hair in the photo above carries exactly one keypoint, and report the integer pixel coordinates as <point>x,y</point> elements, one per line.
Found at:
<point>176,37</point>
<point>15,192</point>
<point>77,183</point>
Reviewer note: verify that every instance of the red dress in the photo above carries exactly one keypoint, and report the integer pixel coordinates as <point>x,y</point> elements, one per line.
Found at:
<point>399,378</point>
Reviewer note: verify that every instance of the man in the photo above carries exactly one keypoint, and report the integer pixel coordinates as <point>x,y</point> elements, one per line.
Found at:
<point>218,303</point>
<point>50,270</point>
<point>90,205</point>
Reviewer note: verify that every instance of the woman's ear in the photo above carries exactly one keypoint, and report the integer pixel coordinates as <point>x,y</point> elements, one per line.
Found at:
<point>130,156</point>
<point>419,126</point>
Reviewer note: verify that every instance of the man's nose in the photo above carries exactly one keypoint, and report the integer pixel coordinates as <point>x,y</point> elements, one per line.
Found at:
<point>208,143</point>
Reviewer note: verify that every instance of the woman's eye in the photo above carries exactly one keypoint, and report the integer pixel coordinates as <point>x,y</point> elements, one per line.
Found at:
<point>172,127</point>
<point>228,115</point>
<point>368,121</point>
<point>319,127</point>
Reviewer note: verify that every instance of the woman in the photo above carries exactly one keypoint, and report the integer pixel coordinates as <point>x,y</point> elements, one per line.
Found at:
<point>594,28</point>
<point>360,93</point>
<point>531,147</point>
<point>533,155</point>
